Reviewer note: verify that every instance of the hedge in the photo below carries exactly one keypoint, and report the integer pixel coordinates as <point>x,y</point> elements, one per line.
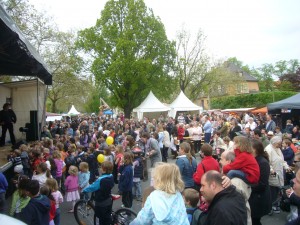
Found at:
<point>249,100</point>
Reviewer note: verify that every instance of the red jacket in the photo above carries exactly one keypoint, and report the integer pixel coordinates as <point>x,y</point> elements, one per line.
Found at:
<point>180,133</point>
<point>209,163</point>
<point>245,162</point>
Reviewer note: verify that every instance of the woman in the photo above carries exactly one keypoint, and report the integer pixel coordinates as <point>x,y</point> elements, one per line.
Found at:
<point>234,128</point>
<point>160,132</point>
<point>277,163</point>
<point>165,204</point>
<point>84,139</point>
<point>196,132</point>
<point>187,164</point>
<point>260,200</point>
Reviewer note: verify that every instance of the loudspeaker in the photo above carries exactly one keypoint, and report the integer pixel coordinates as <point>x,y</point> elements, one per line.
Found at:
<point>33,117</point>
<point>32,133</point>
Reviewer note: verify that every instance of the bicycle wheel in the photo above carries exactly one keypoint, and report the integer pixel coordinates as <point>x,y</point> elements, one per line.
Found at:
<point>123,216</point>
<point>84,213</point>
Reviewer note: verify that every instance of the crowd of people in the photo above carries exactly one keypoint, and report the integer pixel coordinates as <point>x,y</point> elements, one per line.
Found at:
<point>244,162</point>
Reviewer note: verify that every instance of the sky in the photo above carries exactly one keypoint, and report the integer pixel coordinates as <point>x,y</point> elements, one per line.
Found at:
<point>255,32</point>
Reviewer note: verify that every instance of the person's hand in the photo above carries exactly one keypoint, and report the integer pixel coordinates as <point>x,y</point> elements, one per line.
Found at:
<point>289,192</point>
<point>226,182</point>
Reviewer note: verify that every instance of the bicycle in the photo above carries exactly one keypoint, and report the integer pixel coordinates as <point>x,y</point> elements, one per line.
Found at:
<point>84,212</point>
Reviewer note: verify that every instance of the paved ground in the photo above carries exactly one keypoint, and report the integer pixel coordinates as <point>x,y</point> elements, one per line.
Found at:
<point>68,219</point>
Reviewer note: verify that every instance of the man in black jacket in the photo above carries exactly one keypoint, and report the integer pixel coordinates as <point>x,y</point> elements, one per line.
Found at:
<point>226,205</point>
<point>7,118</point>
<point>294,195</point>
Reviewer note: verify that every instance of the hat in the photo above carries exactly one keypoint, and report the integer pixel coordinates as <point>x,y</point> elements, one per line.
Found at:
<point>18,169</point>
<point>271,133</point>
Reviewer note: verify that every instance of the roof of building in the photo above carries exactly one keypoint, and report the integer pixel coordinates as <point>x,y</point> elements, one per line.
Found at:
<point>234,68</point>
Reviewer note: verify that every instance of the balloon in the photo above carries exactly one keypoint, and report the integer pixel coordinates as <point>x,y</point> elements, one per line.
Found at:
<point>100,158</point>
<point>109,140</point>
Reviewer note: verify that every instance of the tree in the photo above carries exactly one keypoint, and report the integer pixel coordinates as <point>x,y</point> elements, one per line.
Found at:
<point>283,67</point>
<point>264,76</point>
<point>130,52</point>
<point>293,79</point>
<point>57,50</point>
<point>191,60</point>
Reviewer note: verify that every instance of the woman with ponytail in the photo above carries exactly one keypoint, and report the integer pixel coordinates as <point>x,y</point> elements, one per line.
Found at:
<point>187,164</point>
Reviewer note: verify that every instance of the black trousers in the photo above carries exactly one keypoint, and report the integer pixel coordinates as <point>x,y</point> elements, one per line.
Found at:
<point>197,145</point>
<point>104,214</point>
<point>127,198</point>
<point>10,128</point>
<point>164,153</point>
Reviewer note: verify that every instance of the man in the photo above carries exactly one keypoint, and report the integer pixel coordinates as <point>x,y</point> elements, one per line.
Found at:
<point>295,191</point>
<point>245,189</point>
<point>7,118</point>
<point>270,125</point>
<point>226,205</point>
<point>207,128</point>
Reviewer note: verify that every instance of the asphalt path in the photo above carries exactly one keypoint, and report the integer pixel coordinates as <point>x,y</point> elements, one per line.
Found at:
<point>68,218</point>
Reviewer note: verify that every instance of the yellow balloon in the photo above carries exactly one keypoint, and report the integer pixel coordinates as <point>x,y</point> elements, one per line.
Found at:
<point>109,140</point>
<point>100,158</point>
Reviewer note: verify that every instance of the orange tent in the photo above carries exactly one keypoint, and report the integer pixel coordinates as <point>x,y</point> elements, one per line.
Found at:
<point>260,110</point>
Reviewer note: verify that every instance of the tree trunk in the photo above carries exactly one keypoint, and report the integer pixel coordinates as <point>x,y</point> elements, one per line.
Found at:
<point>127,112</point>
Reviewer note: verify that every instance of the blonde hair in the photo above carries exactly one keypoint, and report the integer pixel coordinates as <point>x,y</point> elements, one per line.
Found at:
<point>56,155</point>
<point>73,170</point>
<point>119,149</point>
<point>167,178</point>
<point>187,150</point>
<point>243,144</point>
<point>52,184</point>
<point>84,167</point>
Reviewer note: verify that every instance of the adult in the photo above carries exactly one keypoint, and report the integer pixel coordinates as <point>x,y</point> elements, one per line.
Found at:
<point>223,128</point>
<point>187,164</point>
<point>295,133</point>
<point>207,128</point>
<point>270,125</point>
<point>296,192</point>
<point>277,163</point>
<point>234,128</point>
<point>7,119</point>
<point>251,124</point>
<point>260,199</point>
<point>166,144</point>
<point>151,148</point>
<point>180,118</point>
<point>226,205</point>
<point>208,163</point>
<point>196,132</point>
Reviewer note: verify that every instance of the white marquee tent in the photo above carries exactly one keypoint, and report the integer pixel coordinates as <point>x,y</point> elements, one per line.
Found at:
<point>182,103</point>
<point>150,104</point>
<point>73,111</point>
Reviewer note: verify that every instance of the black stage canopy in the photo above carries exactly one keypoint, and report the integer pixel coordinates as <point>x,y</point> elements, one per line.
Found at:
<point>17,56</point>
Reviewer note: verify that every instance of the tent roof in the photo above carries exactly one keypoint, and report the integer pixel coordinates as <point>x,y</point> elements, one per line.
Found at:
<point>260,110</point>
<point>238,110</point>
<point>182,103</point>
<point>288,103</point>
<point>73,111</point>
<point>151,104</point>
<point>17,56</point>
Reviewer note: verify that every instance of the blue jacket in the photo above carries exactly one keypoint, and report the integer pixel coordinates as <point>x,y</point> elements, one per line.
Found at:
<point>207,127</point>
<point>126,178</point>
<point>37,211</point>
<point>186,170</point>
<point>288,155</point>
<point>3,183</point>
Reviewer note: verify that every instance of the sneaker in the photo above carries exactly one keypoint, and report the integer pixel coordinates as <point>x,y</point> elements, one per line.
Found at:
<point>276,210</point>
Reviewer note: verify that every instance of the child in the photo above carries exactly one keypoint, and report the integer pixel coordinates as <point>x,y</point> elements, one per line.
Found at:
<point>288,152</point>
<point>93,165</point>
<point>107,155</point>
<point>71,185</point>
<point>244,165</point>
<point>83,179</point>
<point>19,199</point>
<point>126,180</point>
<point>191,199</point>
<point>118,159</point>
<point>46,191</point>
<point>102,188</point>
<point>60,164</point>
<point>53,186</point>
<point>138,174</point>
<point>25,159</point>
<point>16,161</point>
<point>37,210</point>
<point>42,174</point>
<point>165,204</point>
<point>3,187</point>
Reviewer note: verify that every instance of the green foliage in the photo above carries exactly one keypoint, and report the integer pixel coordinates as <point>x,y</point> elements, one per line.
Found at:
<point>249,100</point>
<point>130,51</point>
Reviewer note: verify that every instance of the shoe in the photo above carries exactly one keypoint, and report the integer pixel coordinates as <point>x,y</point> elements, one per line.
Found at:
<point>71,211</point>
<point>276,210</point>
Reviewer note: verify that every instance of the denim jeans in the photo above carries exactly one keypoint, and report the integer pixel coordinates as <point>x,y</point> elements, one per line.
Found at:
<point>207,137</point>
<point>137,190</point>
<point>238,174</point>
